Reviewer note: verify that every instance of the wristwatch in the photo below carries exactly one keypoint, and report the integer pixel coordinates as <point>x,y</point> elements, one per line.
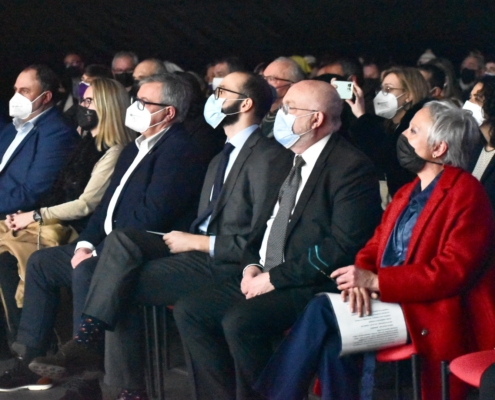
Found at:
<point>37,216</point>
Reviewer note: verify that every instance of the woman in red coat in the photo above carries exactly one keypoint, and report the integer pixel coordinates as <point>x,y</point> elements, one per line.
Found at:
<point>431,254</point>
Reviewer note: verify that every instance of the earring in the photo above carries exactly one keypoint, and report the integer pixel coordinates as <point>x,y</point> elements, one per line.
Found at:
<point>434,155</point>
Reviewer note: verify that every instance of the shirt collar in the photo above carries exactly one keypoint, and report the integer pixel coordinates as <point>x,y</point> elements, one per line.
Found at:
<point>147,144</point>
<point>19,123</point>
<point>311,154</point>
<point>420,196</point>
<point>240,137</point>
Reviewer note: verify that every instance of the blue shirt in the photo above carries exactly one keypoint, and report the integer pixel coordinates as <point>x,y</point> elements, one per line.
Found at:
<point>398,242</point>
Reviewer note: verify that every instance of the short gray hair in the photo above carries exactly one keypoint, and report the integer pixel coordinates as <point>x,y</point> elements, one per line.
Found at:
<point>454,126</point>
<point>296,74</point>
<point>133,56</point>
<point>176,92</point>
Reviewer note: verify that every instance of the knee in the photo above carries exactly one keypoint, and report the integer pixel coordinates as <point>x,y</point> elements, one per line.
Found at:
<point>186,315</point>
<point>235,324</point>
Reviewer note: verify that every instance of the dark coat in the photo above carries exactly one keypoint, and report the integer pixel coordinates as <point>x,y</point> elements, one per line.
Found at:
<point>35,164</point>
<point>161,194</point>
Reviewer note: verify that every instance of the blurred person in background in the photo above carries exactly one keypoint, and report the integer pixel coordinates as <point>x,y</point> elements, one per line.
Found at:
<point>472,69</point>
<point>435,77</point>
<point>123,65</point>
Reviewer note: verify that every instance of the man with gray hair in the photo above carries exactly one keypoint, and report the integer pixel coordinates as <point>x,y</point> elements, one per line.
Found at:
<point>155,187</point>
<point>123,65</point>
<point>281,74</point>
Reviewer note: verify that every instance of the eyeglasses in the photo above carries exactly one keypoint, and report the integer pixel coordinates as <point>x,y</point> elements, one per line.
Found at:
<point>387,89</point>
<point>275,80</point>
<point>142,103</point>
<point>286,108</point>
<point>121,71</point>
<point>219,91</point>
<point>86,102</point>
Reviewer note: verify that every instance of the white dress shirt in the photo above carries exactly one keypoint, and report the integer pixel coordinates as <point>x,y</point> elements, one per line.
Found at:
<point>237,141</point>
<point>22,128</point>
<point>144,145</point>
<point>310,156</point>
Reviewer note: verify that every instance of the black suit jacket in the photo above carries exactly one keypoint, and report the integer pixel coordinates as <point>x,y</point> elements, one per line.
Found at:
<point>161,194</point>
<point>488,177</point>
<point>261,164</point>
<point>337,211</point>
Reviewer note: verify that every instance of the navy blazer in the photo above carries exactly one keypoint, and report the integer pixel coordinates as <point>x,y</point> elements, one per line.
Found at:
<point>488,177</point>
<point>162,193</point>
<point>35,164</point>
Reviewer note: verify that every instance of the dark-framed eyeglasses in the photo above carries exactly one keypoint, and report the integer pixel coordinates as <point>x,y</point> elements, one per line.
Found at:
<point>86,102</point>
<point>219,91</point>
<point>286,108</point>
<point>275,80</point>
<point>142,103</point>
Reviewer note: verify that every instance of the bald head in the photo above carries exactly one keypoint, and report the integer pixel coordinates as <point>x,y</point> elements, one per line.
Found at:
<point>321,96</point>
<point>147,68</point>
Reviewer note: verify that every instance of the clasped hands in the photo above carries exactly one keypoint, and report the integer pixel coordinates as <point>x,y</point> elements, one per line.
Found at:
<point>19,220</point>
<point>358,286</point>
<point>255,282</point>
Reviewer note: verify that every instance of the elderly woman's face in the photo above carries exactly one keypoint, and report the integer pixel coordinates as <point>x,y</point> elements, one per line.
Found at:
<point>417,134</point>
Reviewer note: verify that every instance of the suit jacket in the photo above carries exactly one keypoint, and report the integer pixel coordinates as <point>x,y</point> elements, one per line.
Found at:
<point>488,177</point>
<point>34,165</point>
<point>337,211</point>
<point>260,165</point>
<point>161,194</point>
<point>444,290</point>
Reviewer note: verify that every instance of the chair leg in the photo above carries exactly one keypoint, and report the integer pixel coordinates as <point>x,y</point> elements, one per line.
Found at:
<point>158,355</point>
<point>150,381</point>
<point>166,338</point>
<point>416,377</point>
<point>444,365</point>
<point>398,389</point>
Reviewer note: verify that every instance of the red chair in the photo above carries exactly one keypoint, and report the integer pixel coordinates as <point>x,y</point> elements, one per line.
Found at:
<point>470,367</point>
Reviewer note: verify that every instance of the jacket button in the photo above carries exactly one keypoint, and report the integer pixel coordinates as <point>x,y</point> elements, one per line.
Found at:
<point>424,332</point>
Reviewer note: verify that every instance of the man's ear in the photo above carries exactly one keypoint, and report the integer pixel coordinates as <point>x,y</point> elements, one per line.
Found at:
<point>436,92</point>
<point>171,113</point>
<point>48,97</point>
<point>319,119</point>
<point>247,105</point>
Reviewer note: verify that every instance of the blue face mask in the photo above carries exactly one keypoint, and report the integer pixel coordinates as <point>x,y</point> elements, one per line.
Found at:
<point>213,110</point>
<point>282,129</point>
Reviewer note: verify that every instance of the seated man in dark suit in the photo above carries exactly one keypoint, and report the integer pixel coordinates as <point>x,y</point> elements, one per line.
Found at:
<point>328,204</point>
<point>235,189</point>
<point>155,186</point>
<point>36,144</point>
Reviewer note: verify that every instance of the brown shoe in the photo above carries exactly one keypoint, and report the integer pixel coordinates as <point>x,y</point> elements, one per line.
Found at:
<point>73,359</point>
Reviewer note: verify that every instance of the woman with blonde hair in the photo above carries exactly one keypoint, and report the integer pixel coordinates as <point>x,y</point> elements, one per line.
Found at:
<point>66,207</point>
<point>402,93</point>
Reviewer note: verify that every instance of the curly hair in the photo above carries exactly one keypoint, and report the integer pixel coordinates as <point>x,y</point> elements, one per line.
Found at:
<point>488,95</point>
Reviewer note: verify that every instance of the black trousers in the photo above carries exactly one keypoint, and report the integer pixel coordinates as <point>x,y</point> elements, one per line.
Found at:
<point>487,385</point>
<point>228,340</point>
<point>9,279</point>
<point>136,269</point>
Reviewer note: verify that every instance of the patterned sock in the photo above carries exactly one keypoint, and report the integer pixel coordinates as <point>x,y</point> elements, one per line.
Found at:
<point>133,395</point>
<point>91,331</point>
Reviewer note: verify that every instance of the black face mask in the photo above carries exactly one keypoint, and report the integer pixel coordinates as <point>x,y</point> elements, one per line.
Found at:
<point>125,78</point>
<point>87,119</point>
<point>73,72</point>
<point>468,75</point>
<point>408,158</point>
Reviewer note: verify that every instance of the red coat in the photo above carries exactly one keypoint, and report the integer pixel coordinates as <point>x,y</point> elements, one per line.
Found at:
<point>446,293</point>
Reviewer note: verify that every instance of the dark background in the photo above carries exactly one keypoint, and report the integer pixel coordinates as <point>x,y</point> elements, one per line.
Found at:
<point>192,33</point>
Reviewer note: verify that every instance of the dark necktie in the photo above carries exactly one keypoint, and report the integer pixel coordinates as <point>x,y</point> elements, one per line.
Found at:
<point>217,186</point>
<point>278,232</point>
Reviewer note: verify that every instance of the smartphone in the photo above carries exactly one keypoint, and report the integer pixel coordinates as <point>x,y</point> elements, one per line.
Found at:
<point>344,89</point>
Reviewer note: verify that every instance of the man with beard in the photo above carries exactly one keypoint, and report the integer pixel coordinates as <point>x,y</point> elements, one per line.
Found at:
<point>141,268</point>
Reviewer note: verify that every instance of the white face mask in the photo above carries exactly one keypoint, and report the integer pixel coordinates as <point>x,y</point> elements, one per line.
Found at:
<point>476,110</point>
<point>386,105</point>
<point>213,110</point>
<point>282,129</point>
<point>21,107</point>
<point>139,120</point>
<point>216,82</point>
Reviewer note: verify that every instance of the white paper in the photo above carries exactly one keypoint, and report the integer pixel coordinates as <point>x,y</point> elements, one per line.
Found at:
<point>156,233</point>
<point>385,327</point>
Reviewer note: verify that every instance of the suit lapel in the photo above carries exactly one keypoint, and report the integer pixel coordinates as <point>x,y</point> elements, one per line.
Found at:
<point>234,173</point>
<point>208,185</point>
<point>312,181</point>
